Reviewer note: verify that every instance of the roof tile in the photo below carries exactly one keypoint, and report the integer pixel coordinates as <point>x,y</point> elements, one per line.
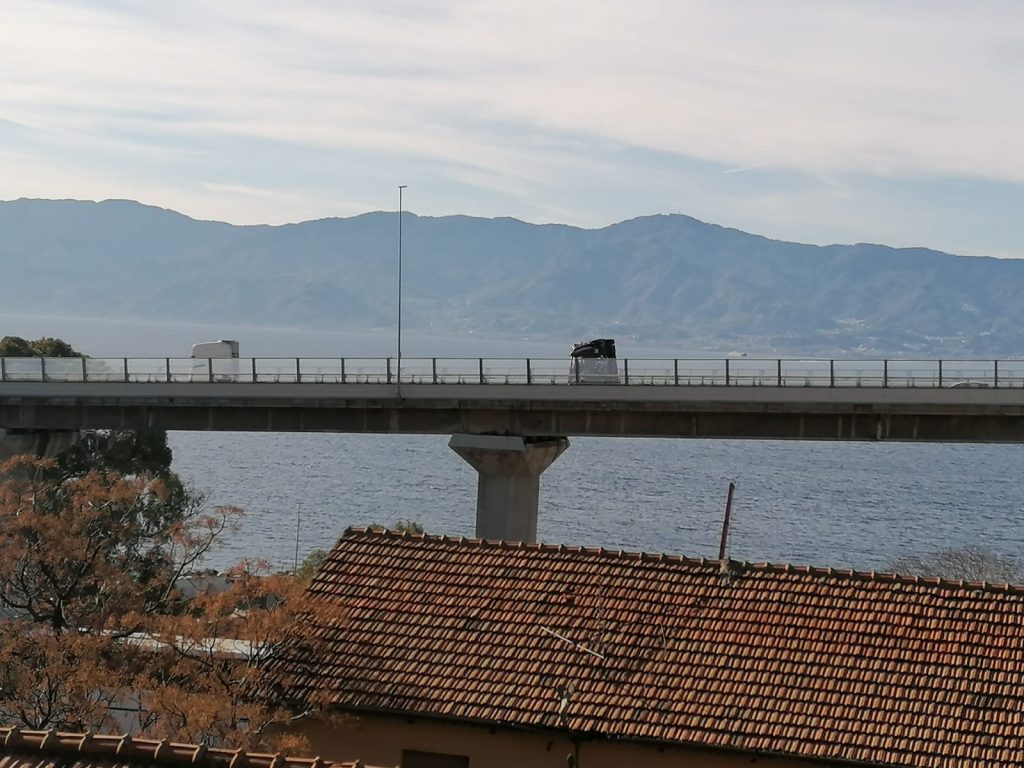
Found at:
<point>52,749</point>
<point>816,662</point>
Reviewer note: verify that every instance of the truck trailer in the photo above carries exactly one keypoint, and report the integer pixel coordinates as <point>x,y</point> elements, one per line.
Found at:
<point>215,360</point>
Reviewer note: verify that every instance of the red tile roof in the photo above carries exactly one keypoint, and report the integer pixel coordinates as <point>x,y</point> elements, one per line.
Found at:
<point>50,749</point>
<point>802,661</point>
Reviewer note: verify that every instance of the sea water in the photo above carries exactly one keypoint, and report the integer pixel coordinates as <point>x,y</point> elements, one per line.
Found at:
<point>841,504</point>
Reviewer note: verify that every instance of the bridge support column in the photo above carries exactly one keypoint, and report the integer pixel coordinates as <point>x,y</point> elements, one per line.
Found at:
<point>44,443</point>
<point>508,490</point>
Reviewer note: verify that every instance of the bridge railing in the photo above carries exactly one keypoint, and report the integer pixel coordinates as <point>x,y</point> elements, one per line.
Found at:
<point>740,371</point>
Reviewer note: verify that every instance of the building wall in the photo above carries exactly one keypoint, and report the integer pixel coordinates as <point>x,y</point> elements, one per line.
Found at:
<point>380,740</point>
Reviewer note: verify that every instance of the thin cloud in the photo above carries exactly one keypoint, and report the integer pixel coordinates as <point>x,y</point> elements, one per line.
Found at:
<point>746,168</point>
<point>515,101</point>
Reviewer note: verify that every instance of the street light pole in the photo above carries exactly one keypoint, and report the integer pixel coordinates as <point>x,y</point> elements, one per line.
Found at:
<point>398,390</point>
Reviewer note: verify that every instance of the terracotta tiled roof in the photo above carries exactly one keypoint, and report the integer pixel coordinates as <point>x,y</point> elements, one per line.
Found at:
<point>50,749</point>
<point>803,661</point>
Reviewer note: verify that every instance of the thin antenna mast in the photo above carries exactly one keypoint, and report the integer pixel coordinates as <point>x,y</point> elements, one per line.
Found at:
<point>398,380</point>
<point>725,523</point>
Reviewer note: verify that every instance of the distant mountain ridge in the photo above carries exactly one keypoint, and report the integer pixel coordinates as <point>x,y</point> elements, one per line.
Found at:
<point>657,279</point>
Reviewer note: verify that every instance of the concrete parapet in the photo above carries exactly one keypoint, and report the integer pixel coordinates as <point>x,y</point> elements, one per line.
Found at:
<point>508,490</point>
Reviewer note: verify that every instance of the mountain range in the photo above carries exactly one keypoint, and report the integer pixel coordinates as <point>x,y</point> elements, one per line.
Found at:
<point>664,279</point>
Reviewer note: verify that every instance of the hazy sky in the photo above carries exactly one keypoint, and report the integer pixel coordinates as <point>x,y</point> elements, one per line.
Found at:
<point>889,121</point>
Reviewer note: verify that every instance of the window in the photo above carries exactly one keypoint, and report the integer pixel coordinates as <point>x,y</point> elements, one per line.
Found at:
<point>414,759</point>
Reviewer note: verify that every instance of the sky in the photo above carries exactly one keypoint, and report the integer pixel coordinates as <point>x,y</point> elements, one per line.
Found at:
<point>888,121</point>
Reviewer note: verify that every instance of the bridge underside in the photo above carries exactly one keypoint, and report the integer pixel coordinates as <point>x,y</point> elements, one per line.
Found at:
<point>560,420</point>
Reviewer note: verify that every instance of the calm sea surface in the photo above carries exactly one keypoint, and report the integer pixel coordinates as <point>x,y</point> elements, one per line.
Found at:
<point>840,504</point>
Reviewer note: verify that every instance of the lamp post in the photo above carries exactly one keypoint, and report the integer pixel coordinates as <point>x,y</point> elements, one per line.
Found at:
<point>398,385</point>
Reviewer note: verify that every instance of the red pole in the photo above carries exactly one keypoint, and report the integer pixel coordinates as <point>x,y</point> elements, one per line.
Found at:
<point>725,523</point>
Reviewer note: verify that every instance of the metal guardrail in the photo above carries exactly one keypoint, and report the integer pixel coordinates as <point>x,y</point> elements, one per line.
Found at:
<point>733,372</point>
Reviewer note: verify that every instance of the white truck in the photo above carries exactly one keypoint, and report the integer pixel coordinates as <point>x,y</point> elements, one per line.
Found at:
<point>215,360</point>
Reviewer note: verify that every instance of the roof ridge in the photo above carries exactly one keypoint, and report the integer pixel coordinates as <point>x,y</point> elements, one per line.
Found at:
<point>576,549</point>
<point>126,748</point>
<point>879,577</point>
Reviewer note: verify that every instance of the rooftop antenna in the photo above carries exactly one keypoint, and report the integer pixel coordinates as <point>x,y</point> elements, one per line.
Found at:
<point>725,523</point>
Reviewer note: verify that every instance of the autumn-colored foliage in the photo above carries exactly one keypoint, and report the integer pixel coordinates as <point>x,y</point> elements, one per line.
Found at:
<point>206,684</point>
<point>90,613</point>
<point>49,680</point>
<point>79,551</point>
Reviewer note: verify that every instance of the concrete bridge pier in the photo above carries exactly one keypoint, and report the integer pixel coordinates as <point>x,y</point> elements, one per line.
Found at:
<point>41,443</point>
<point>508,490</point>
<point>44,443</point>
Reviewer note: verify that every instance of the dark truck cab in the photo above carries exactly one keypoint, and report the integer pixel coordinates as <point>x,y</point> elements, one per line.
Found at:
<point>593,362</point>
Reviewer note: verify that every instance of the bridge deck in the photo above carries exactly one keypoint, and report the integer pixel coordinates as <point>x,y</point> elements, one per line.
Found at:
<point>900,412</point>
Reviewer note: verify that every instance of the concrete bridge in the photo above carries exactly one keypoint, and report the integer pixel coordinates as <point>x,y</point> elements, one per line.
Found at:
<point>511,419</point>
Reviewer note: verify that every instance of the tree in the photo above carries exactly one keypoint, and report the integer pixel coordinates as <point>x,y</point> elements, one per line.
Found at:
<point>15,346</point>
<point>967,563</point>
<point>92,613</point>
<point>49,680</point>
<point>206,685</point>
<point>307,570</point>
<point>78,551</point>
<point>126,452</point>
<point>78,556</point>
<point>93,545</point>
<point>47,347</point>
